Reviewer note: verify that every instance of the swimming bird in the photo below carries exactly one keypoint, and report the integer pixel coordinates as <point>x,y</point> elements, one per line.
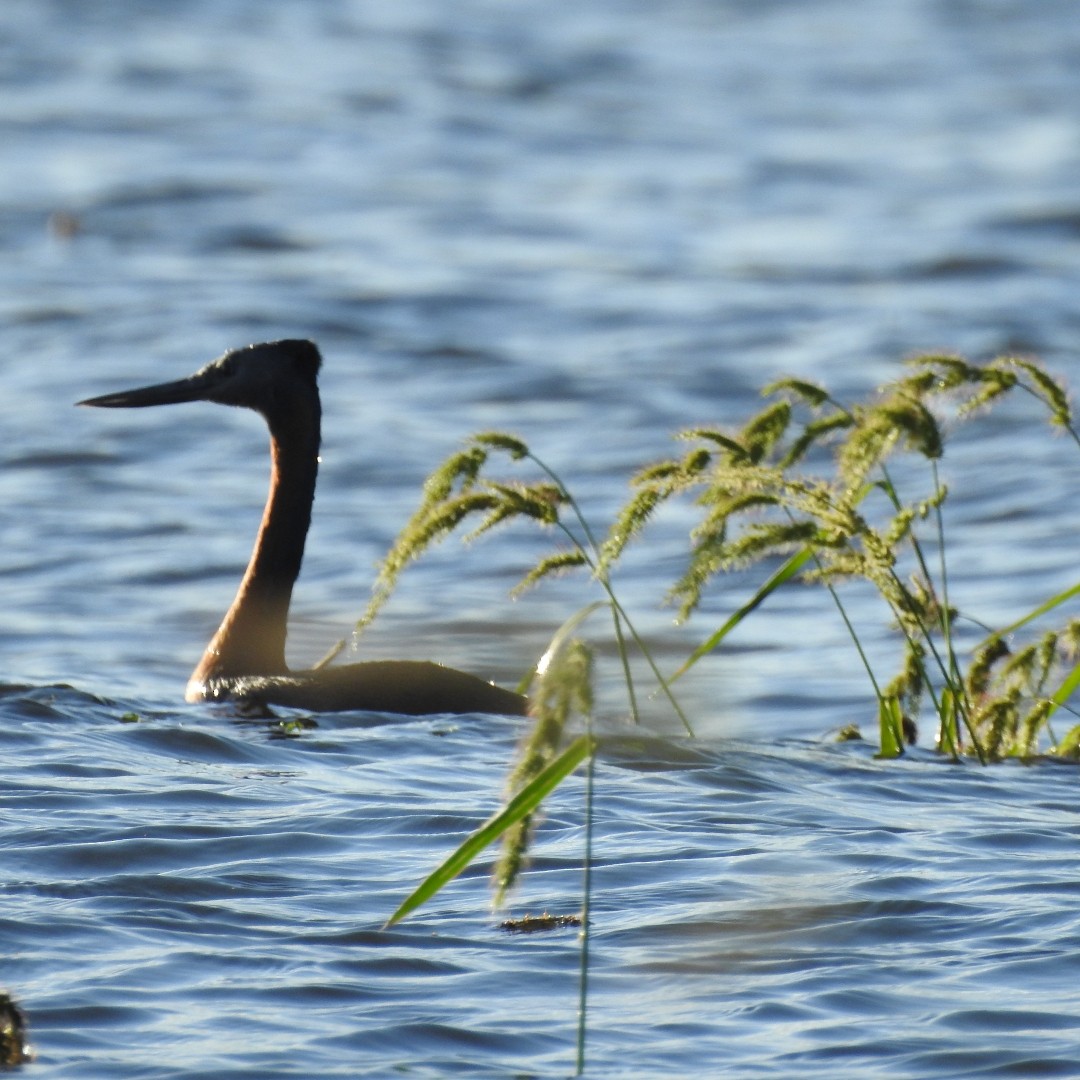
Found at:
<point>245,659</point>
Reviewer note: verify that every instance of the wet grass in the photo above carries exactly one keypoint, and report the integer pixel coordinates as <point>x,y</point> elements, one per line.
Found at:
<point>807,490</point>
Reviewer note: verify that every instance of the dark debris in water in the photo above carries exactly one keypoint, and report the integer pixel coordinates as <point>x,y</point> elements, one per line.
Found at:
<point>14,1048</point>
<point>532,924</point>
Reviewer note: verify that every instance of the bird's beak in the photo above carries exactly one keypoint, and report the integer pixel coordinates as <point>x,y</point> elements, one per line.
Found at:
<point>193,388</point>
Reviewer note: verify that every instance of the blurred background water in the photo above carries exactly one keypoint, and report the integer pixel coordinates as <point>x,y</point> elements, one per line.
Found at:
<point>592,224</point>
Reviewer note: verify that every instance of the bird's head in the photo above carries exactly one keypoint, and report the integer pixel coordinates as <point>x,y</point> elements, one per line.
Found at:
<point>268,378</point>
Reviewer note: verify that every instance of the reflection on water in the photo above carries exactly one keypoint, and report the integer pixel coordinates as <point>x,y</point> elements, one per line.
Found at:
<point>592,226</point>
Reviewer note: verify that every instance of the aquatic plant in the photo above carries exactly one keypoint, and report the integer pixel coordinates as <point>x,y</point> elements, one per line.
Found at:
<point>561,684</point>
<point>816,491</point>
<point>808,486</point>
<point>820,493</point>
<point>850,519</point>
<point>561,688</point>
<point>459,491</point>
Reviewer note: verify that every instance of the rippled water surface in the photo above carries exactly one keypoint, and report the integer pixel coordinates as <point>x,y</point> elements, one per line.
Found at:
<point>593,224</point>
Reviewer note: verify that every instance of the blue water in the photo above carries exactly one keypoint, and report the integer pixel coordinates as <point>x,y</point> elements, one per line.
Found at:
<point>593,224</point>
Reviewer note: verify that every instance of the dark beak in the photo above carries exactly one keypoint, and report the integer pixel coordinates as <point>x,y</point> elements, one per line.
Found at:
<point>193,388</point>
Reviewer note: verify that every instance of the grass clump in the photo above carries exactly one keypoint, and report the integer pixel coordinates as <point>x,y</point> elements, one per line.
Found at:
<point>811,483</point>
<point>815,491</point>
<point>460,491</point>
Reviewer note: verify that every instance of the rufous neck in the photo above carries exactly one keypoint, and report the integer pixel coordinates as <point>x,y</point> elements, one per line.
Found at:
<point>251,637</point>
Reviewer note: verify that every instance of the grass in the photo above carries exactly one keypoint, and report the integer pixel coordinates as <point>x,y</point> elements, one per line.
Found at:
<point>813,491</point>
<point>810,483</point>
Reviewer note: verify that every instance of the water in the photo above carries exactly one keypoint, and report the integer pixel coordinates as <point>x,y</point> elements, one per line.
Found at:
<point>592,224</point>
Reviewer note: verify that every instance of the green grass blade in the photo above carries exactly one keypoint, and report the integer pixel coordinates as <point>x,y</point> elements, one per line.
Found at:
<point>781,577</point>
<point>1064,691</point>
<point>891,724</point>
<point>523,803</point>
<point>948,730</point>
<point>586,913</point>
<point>1070,744</point>
<point>1042,609</point>
<point>1071,681</point>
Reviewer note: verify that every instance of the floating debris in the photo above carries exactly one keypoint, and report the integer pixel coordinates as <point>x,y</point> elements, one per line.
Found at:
<point>14,1049</point>
<point>531,924</point>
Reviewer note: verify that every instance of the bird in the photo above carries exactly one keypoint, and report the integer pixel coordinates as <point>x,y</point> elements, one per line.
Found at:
<point>245,659</point>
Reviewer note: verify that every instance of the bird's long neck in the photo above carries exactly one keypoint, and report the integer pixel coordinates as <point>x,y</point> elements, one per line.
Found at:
<point>251,638</point>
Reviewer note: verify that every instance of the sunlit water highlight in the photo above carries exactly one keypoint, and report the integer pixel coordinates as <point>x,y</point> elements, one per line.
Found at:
<point>592,224</point>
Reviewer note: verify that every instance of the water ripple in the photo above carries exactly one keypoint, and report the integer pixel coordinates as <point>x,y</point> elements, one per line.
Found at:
<point>593,226</point>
